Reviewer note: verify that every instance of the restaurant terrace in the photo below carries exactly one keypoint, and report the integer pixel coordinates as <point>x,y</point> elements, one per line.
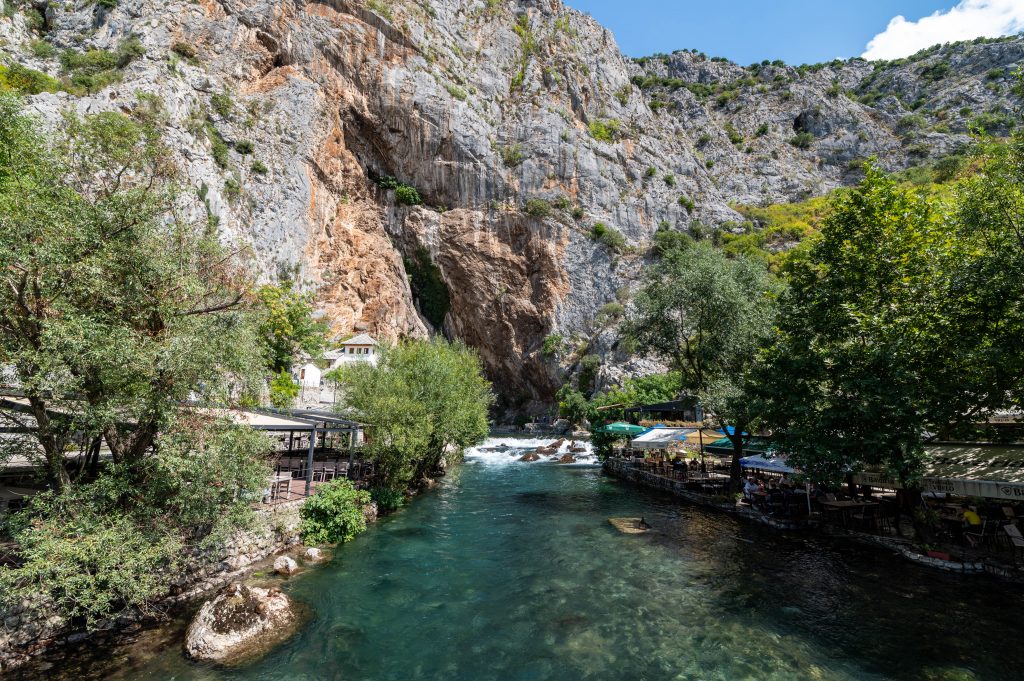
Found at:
<point>308,447</point>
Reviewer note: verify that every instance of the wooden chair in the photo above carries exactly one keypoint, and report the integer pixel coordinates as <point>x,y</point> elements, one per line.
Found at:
<point>866,519</point>
<point>976,534</point>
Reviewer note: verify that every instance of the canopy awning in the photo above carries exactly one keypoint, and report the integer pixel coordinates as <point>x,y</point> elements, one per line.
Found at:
<point>775,464</point>
<point>621,428</point>
<point>973,470</point>
<point>661,438</point>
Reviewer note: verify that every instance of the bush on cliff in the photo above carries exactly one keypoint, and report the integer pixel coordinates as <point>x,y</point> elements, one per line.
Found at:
<point>334,514</point>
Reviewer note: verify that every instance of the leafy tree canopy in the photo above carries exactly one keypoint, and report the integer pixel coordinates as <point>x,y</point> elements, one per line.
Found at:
<point>288,327</point>
<point>424,402</point>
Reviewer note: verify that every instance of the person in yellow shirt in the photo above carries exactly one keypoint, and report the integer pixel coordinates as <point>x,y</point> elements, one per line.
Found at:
<point>971,518</point>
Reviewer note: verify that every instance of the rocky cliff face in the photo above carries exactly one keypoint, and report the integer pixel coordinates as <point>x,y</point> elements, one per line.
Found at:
<point>518,123</point>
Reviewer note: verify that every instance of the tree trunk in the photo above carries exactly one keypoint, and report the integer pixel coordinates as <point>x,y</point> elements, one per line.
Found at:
<point>736,438</point>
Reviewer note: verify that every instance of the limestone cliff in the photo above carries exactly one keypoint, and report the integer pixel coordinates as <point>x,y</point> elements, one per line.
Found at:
<point>518,123</point>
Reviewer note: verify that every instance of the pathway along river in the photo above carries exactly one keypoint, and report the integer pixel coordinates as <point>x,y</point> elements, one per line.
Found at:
<point>511,571</point>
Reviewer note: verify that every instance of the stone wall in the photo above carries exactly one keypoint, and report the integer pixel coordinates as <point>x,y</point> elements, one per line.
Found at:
<point>620,468</point>
<point>276,529</point>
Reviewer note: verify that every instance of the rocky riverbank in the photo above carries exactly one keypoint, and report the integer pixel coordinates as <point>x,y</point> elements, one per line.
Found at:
<point>25,639</point>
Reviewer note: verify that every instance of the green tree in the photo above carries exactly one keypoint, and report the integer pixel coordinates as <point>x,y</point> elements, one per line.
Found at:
<point>898,322</point>
<point>425,402</point>
<point>288,327</point>
<point>283,390</point>
<point>91,551</point>
<point>708,316</point>
<point>113,310</point>
<point>572,405</point>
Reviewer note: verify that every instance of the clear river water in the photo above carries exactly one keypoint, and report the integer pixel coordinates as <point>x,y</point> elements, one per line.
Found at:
<point>511,571</point>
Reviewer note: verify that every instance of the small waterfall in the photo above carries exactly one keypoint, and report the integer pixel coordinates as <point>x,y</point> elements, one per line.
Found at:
<point>503,451</point>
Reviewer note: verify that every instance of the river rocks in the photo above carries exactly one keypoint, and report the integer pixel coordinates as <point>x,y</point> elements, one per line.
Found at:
<point>313,555</point>
<point>530,457</point>
<point>239,623</point>
<point>567,458</point>
<point>370,512</point>
<point>285,565</point>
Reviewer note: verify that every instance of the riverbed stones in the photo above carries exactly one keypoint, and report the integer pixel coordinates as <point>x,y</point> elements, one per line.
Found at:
<point>240,623</point>
<point>530,457</point>
<point>285,565</point>
<point>567,458</point>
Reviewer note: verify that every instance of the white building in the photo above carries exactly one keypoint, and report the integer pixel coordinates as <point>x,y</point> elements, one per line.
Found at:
<point>307,375</point>
<point>361,348</point>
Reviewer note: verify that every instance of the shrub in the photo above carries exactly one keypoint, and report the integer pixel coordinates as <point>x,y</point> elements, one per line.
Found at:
<point>26,81</point>
<point>184,50</point>
<point>42,49</point>
<point>607,236</point>
<point>762,130</point>
<point>589,366</point>
<point>650,172</point>
<point>244,147</point>
<point>128,51</point>
<point>605,130</point>
<point>456,92</point>
<point>553,345</point>
<point>610,312</point>
<point>109,4</point>
<point>703,139</point>
<point>538,208</point>
<point>334,513</point>
<point>222,103</point>
<point>670,180</point>
<point>258,167</point>
<point>512,155</point>
<point>802,140</point>
<point>407,195</point>
<point>387,498</point>
<point>623,93</point>
<point>666,240</point>
<point>734,136</point>
<point>687,203</point>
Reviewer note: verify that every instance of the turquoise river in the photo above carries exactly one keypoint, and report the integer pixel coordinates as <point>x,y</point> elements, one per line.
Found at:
<point>511,571</point>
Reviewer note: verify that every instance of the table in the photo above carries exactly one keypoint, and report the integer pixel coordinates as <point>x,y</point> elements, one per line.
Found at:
<point>844,507</point>
<point>275,484</point>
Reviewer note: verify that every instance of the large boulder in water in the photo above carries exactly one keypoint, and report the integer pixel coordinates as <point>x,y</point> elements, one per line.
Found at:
<point>240,623</point>
<point>530,456</point>
<point>285,565</point>
<point>567,458</point>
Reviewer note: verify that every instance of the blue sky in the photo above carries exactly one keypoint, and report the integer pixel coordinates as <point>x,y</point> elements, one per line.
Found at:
<point>799,31</point>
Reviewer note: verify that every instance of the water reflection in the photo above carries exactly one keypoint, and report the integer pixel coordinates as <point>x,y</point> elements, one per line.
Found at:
<point>511,571</point>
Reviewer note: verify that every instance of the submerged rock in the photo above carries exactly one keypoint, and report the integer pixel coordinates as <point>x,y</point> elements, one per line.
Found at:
<point>240,623</point>
<point>285,565</point>
<point>313,554</point>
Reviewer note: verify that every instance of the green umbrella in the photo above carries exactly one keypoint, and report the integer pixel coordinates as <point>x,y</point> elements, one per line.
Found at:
<point>621,428</point>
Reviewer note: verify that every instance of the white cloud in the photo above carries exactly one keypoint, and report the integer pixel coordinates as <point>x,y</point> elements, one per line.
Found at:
<point>968,20</point>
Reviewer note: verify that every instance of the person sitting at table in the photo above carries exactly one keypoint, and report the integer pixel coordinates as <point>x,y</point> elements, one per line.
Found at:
<point>749,488</point>
<point>679,466</point>
<point>785,483</point>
